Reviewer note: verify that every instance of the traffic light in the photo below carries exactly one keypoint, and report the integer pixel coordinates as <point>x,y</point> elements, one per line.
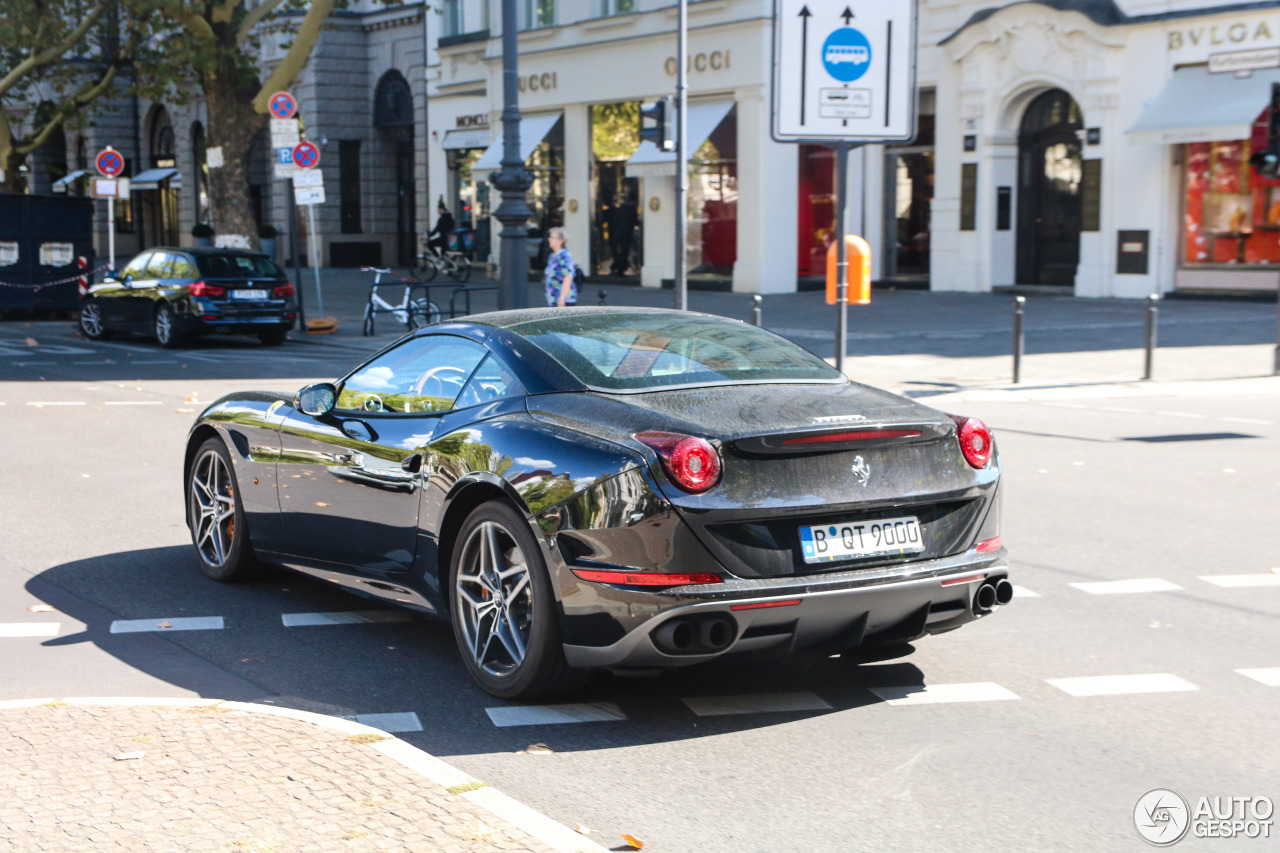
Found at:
<point>662,132</point>
<point>1267,161</point>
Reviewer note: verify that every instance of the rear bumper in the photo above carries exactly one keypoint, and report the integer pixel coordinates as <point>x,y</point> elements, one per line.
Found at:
<point>235,325</point>
<point>834,612</point>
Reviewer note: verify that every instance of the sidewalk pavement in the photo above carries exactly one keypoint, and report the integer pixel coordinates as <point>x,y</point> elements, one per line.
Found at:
<point>926,344</point>
<point>198,775</point>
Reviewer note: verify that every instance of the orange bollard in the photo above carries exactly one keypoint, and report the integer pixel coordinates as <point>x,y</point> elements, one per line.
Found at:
<point>858,255</point>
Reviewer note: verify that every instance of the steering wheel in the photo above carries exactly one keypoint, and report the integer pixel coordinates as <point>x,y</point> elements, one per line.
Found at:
<point>372,403</point>
<point>434,374</point>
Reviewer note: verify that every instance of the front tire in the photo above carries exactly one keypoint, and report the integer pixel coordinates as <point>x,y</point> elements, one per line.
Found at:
<point>503,608</point>
<point>91,322</point>
<point>218,528</point>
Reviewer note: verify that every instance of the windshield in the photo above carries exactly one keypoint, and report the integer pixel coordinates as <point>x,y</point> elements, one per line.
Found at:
<point>237,266</point>
<point>623,352</point>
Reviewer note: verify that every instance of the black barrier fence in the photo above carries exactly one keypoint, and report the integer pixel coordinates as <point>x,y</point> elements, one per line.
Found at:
<point>46,251</point>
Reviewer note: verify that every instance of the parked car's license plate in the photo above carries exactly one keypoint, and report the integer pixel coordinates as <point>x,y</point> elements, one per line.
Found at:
<point>248,294</point>
<point>850,540</point>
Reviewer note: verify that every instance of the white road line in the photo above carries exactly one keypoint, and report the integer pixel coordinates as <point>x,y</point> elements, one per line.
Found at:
<point>549,715</point>
<point>30,629</point>
<point>354,617</point>
<point>131,363</point>
<point>58,403</point>
<point>404,721</point>
<point>1116,685</point>
<point>1269,676</point>
<point>1121,410</point>
<point>1134,585</point>
<point>755,703</point>
<point>1023,592</point>
<point>1246,421</point>
<point>1183,415</point>
<point>1233,581</point>
<point>34,363</point>
<point>132,403</point>
<point>188,623</point>
<point>934,694</point>
<point>95,361</point>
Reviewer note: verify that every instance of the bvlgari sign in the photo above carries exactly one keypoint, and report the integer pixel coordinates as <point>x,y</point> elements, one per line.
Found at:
<point>1238,33</point>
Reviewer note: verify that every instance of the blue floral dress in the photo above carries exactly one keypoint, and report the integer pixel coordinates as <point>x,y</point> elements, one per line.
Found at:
<point>559,265</point>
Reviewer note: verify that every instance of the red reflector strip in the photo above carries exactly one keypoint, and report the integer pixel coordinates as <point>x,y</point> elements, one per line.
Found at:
<point>966,579</point>
<point>647,578</point>
<point>760,605</point>
<point>989,545</point>
<point>860,435</point>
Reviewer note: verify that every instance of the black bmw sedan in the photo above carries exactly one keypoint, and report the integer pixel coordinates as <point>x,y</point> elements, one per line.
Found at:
<point>178,294</point>
<point>593,488</point>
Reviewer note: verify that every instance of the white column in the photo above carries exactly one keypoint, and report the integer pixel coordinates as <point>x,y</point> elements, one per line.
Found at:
<point>659,229</point>
<point>768,187</point>
<point>577,182</point>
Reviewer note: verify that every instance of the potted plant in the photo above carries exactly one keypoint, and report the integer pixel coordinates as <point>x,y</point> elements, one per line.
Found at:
<point>202,233</point>
<point>267,235</point>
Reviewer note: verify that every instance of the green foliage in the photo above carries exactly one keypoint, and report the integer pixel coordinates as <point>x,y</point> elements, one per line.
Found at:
<point>615,130</point>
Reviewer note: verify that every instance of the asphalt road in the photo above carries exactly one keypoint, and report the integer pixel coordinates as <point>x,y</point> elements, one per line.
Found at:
<point>1171,493</point>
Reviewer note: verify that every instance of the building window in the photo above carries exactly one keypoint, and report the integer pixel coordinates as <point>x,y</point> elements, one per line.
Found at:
<point>349,185</point>
<point>537,13</point>
<point>616,7</point>
<point>1231,214</point>
<point>452,25</point>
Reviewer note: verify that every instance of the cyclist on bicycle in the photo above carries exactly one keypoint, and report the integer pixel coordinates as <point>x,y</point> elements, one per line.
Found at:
<point>438,237</point>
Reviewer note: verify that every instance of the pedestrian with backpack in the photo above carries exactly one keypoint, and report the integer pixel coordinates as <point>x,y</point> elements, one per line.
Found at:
<point>559,278</point>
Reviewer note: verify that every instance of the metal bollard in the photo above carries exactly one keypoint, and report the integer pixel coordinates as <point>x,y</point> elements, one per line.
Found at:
<point>1019,340</point>
<point>1152,312</point>
<point>757,310</point>
<point>604,294</point>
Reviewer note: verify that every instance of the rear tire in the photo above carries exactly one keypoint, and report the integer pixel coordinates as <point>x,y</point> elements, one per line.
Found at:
<point>91,323</point>
<point>167,334</point>
<point>218,527</point>
<point>463,272</point>
<point>429,268</point>
<point>367,330</point>
<point>503,609</point>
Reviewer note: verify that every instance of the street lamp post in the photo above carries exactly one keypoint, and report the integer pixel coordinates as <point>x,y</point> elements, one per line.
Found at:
<point>512,180</point>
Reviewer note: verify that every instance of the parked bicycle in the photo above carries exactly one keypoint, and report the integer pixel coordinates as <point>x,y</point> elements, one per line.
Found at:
<point>454,263</point>
<point>414,313</point>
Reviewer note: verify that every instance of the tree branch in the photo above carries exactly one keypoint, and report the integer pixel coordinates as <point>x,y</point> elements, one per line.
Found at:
<point>200,28</point>
<point>289,68</point>
<point>86,95</point>
<point>266,7</point>
<point>54,52</point>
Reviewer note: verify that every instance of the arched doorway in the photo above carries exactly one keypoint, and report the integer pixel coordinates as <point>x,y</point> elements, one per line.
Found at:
<point>159,196</point>
<point>393,117</point>
<point>1050,165</point>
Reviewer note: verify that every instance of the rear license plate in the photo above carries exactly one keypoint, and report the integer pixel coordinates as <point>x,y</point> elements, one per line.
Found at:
<point>850,540</point>
<point>248,294</point>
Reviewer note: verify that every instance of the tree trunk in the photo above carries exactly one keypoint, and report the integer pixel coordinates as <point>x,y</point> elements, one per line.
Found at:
<point>13,181</point>
<point>233,124</point>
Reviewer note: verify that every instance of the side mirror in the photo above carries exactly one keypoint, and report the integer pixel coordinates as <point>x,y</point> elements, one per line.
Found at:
<point>316,400</point>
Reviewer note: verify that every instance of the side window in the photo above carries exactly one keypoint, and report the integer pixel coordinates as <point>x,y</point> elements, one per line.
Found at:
<point>138,266</point>
<point>421,375</point>
<point>491,381</point>
<point>182,267</point>
<point>158,265</point>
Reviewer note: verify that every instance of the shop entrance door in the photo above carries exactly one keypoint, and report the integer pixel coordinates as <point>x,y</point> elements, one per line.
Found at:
<point>1050,165</point>
<point>406,227</point>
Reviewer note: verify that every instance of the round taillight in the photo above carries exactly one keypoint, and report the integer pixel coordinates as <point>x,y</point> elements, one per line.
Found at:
<point>975,440</point>
<point>690,462</point>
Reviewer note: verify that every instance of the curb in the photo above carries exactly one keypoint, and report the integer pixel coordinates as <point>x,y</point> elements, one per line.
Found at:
<point>1110,390</point>
<point>534,823</point>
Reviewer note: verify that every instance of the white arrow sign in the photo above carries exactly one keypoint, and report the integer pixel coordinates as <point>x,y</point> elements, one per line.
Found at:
<point>844,70</point>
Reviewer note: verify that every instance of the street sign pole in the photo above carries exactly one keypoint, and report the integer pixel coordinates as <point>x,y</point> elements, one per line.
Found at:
<point>297,260</point>
<point>315,256</point>
<point>111,233</point>
<point>681,284</point>
<point>842,254</point>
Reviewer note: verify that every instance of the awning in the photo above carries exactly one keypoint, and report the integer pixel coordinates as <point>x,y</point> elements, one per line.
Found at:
<point>533,129</point>
<point>1196,106</point>
<point>703,117</point>
<point>462,140</point>
<point>60,185</point>
<point>151,179</point>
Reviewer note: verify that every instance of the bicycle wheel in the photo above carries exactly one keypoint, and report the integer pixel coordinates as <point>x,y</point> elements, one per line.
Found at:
<point>423,312</point>
<point>368,320</point>
<point>461,269</point>
<point>430,267</point>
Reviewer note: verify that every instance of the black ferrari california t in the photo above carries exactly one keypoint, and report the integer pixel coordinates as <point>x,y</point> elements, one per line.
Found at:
<point>594,488</point>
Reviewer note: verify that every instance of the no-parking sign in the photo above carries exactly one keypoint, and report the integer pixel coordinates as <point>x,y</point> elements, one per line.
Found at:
<point>306,155</point>
<point>282,105</point>
<point>109,162</point>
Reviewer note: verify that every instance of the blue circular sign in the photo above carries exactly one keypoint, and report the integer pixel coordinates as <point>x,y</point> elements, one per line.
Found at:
<point>846,54</point>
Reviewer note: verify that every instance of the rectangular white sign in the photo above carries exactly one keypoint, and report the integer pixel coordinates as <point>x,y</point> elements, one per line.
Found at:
<point>844,71</point>
<point>56,254</point>
<point>213,157</point>
<point>308,178</point>
<point>308,195</point>
<point>8,254</point>
<point>1244,60</point>
<point>284,133</point>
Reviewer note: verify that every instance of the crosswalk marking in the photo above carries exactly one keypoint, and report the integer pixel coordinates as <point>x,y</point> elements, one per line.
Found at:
<point>934,694</point>
<point>755,703</point>
<point>186,623</point>
<point>1116,685</point>
<point>549,715</point>
<point>1182,415</point>
<point>402,721</point>
<point>1233,581</point>
<point>1269,676</point>
<point>42,404</point>
<point>354,617</point>
<point>1126,586</point>
<point>132,403</point>
<point>30,629</point>
<point>1254,421</point>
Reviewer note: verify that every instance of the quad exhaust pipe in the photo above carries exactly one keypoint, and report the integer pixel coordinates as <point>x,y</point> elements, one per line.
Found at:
<point>991,594</point>
<point>698,635</point>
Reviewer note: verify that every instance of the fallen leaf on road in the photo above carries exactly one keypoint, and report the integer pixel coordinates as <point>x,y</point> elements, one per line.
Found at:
<point>165,624</point>
<point>184,411</point>
<point>125,756</point>
<point>40,608</point>
<point>579,828</point>
<point>538,749</point>
<point>193,397</point>
<point>31,342</point>
<point>633,841</point>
